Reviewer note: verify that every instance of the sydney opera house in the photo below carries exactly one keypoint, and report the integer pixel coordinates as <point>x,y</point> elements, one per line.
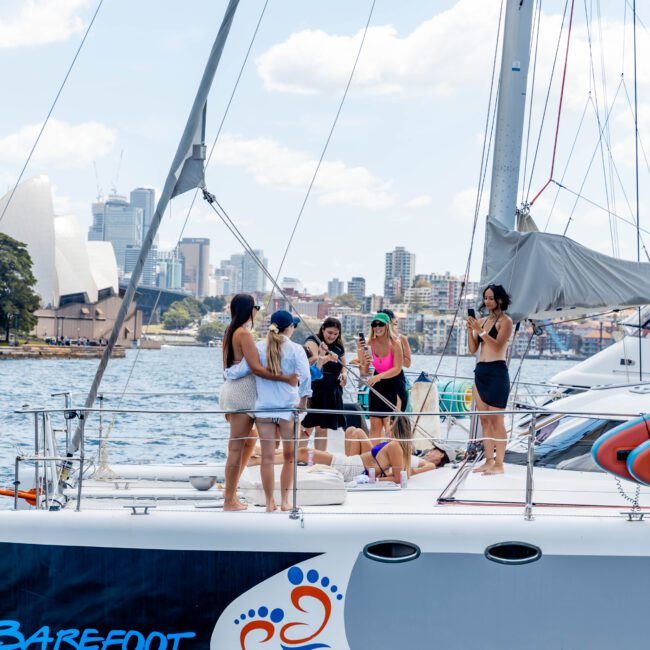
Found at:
<point>76,279</point>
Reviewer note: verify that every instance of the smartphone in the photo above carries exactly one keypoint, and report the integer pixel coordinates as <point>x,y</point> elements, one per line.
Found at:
<point>362,338</point>
<point>471,313</point>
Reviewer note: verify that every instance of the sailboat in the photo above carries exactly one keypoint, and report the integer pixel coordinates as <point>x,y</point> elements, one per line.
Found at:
<point>455,560</point>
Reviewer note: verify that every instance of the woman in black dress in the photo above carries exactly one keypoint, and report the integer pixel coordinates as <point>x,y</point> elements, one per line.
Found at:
<point>327,393</point>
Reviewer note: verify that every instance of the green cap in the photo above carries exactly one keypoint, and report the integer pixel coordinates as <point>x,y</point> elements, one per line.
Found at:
<point>384,318</point>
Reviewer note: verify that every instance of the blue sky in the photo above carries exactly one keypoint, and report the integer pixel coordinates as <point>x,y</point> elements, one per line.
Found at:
<point>402,166</point>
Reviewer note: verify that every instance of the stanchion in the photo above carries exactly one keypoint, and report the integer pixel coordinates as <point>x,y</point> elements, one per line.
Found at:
<point>528,512</point>
<point>295,512</point>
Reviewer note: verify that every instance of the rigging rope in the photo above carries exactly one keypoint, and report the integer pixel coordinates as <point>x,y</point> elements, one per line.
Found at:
<point>636,176</point>
<point>559,108</point>
<point>324,150</point>
<point>103,468</point>
<point>47,117</point>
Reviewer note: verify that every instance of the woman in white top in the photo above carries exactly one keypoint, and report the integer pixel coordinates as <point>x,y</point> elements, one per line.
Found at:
<point>238,393</point>
<point>280,356</point>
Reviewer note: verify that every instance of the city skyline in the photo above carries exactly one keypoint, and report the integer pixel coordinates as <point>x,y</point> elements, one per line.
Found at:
<point>403,158</point>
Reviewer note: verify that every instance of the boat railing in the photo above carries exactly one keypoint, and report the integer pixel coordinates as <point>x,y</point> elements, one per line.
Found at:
<point>53,470</point>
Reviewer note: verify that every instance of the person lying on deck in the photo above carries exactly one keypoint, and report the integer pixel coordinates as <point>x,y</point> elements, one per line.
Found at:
<point>357,443</point>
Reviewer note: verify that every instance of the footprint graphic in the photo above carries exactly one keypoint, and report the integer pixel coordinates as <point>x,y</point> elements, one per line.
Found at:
<point>309,585</point>
<point>259,620</point>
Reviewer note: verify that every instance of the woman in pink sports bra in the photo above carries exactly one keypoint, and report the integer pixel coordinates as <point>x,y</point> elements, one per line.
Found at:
<point>387,361</point>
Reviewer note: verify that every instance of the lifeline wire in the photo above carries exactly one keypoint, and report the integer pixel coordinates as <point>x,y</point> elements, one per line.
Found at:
<point>47,118</point>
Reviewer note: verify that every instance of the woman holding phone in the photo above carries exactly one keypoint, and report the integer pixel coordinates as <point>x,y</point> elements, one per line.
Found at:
<point>327,392</point>
<point>491,380</point>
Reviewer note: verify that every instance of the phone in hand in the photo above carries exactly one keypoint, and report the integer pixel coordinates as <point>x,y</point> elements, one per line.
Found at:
<point>362,338</point>
<point>471,313</point>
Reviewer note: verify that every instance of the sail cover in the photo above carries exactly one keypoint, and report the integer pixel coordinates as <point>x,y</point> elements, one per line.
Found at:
<point>550,276</point>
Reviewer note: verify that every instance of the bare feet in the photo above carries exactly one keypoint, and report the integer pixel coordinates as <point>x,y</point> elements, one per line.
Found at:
<point>270,506</point>
<point>488,464</point>
<point>495,469</point>
<point>285,507</point>
<point>234,506</point>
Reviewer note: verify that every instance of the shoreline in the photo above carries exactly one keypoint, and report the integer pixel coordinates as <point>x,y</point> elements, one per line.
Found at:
<point>58,352</point>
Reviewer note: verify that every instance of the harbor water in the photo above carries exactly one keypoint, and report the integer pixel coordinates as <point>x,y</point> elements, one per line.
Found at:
<point>171,371</point>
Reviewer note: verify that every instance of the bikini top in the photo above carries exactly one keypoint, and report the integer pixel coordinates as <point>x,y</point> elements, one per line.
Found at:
<point>493,331</point>
<point>374,451</point>
<point>381,364</point>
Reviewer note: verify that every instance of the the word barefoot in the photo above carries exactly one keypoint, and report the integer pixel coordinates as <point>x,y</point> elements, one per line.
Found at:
<point>258,621</point>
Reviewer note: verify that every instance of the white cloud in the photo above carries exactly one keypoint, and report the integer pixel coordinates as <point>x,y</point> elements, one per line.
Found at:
<point>62,144</point>
<point>38,22</point>
<point>419,202</point>
<point>276,166</point>
<point>428,60</point>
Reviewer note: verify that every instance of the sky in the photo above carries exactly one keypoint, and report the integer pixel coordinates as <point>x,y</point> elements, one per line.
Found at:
<point>402,165</point>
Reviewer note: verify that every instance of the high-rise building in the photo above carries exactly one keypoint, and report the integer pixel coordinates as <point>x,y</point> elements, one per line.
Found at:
<point>120,223</point>
<point>243,273</point>
<point>148,277</point>
<point>253,278</point>
<point>170,270</point>
<point>294,284</point>
<point>399,272</point>
<point>195,252</point>
<point>335,287</point>
<point>357,288</point>
<point>144,198</point>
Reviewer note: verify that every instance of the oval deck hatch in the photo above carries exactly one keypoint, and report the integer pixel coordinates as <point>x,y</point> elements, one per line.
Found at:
<point>513,553</point>
<point>391,551</point>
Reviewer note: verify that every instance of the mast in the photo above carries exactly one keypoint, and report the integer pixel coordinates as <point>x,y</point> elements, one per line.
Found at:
<point>186,172</point>
<point>511,107</point>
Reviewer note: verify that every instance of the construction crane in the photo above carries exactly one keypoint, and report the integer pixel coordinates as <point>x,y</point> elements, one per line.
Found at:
<point>117,173</point>
<point>100,194</point>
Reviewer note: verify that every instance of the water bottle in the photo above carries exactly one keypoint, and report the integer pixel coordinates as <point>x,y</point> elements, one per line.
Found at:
<point>371,475</point>
<point>403,479</point>
<point>310,457</point>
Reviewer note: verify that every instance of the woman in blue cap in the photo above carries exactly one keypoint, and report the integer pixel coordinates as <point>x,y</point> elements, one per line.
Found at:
<point>280,356</point>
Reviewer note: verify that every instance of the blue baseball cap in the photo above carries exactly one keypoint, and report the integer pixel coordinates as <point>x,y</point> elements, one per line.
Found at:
<point>283,319</point>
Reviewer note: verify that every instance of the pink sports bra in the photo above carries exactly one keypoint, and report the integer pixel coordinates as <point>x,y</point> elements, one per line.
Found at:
<point>381,364</point>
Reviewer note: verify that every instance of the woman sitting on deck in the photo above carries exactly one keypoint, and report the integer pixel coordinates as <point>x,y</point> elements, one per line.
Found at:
<point>388,458</point>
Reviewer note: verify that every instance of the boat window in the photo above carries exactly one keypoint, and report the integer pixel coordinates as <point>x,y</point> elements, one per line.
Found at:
<point>561,441</point>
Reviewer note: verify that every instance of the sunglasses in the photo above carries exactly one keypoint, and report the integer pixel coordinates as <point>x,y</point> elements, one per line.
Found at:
<point>378,324</point>
<point>257,307</point>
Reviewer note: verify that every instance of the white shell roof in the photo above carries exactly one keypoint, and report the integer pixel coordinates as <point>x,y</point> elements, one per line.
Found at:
<point>63,261</point>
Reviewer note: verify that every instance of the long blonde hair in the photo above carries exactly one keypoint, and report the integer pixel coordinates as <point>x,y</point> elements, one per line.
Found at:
<point>274,341</point>
<point>400,427</point>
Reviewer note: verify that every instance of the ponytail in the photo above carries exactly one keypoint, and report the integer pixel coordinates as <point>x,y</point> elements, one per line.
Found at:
<point>402,432</point>
<point>274,341</point>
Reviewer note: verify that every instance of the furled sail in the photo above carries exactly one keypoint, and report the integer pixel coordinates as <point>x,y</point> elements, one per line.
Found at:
<point>551,275</point>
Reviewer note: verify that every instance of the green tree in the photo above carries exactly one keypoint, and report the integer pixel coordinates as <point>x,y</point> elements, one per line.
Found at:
<point>194,307</point>
<point>176,317</point>
<point>347,300</point>
<point>214,303</point>
<point>18,301</point>
<point>210,332</point>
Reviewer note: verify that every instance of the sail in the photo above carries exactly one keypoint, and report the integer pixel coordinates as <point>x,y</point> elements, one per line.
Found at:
<point>550,275</point>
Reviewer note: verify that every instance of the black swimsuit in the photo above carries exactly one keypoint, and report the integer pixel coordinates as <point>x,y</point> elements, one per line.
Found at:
<point>491,377</point>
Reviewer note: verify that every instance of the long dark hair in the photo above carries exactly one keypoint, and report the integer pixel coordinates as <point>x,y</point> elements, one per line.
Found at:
<point>330,321</point>
<point>500,296</point>
<point>241,309</point>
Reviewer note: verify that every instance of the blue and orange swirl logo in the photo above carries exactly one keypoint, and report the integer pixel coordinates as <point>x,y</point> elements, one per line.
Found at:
<point>291,633</point>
